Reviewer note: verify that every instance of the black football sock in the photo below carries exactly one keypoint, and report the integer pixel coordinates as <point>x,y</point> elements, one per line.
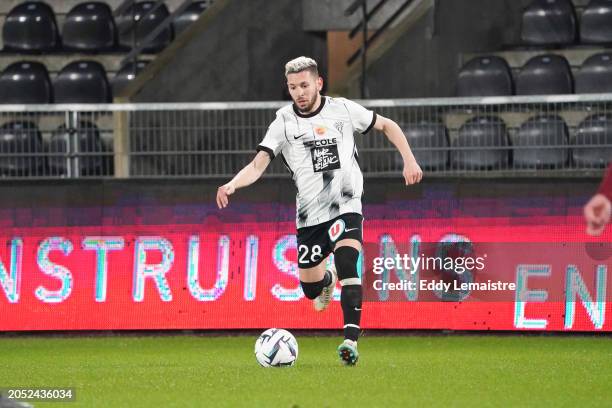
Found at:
<point>350,299</point>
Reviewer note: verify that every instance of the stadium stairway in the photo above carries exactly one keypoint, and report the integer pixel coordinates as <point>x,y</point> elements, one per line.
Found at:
<point>418,57</point>
<point>235,52</point>
<point>233,36</point>
<point>344,78</point>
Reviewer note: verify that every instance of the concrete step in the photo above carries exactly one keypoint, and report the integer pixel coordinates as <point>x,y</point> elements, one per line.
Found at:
<point>55,62</point>
<point>575,55</point>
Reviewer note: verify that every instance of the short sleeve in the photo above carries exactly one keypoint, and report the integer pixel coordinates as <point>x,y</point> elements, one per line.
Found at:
<point>362,119</point>
<point>275,138</point>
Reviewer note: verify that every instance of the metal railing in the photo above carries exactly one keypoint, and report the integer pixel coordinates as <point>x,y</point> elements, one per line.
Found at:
<point>363,24</point>
<point>367,40</point>
<point>497,136</point>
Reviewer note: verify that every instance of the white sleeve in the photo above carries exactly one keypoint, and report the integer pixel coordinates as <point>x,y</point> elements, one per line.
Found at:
<point>275,138</point>
<point>362,119</point>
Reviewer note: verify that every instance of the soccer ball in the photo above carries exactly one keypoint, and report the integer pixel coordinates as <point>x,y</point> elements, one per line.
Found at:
<point>276,348</point>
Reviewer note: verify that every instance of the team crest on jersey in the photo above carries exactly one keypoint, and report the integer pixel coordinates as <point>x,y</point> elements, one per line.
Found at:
<point>339,125</point>
<point>336,230</point>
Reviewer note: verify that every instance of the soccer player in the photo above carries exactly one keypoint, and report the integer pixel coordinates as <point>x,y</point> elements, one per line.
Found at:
<point>598,210</point>
<point>314,138</point>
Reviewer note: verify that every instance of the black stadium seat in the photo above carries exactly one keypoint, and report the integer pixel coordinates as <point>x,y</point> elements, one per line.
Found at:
<point>89,141</point>
<point>549,22</point>
<point>545,75</point>
<point>595,74</point>
<point>89,27</point>
<point>133,18</point>
<point>485,76</point>
<point>594,130</point>
<point>20,138</point>
<point>531,143</point>
<point>82,82</point>
<point>126,74</point>
<point>189,16</point>
<point>25,82</point>
<point>596,23</point>
<point>480,135</point>
<point>30,26</point>
<point>426,135</point>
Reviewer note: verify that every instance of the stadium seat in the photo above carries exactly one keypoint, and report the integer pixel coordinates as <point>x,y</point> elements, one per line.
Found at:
<point>594,130</point>
<point>89,27</point>
<point>89,141</point>
<point>424,135</point>
<point>30,26</point>
<point>82,82</point>
<point>131,20</point>
<point>189,16</point>
<point>530,144</point>
<point>595,74</point>
<point>549,22</point>
<point>19,137</point>
<point>126,74</point>
<point>25,82</point>
<point>485,76</point>
<point>545,75</point>
<point>481,135</point>
<point>596,23</point>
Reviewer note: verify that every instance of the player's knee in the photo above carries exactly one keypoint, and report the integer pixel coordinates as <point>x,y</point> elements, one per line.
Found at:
<point>345,258</point>
<point>311,289</point>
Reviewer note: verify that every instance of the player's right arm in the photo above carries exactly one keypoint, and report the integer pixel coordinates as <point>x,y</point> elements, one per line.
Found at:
<point>245,177</point>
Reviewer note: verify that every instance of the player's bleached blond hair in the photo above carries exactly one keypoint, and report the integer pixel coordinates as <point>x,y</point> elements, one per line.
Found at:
<point>300,64</point>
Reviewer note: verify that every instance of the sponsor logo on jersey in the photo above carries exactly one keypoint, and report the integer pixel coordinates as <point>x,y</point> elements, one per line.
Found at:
<point>324,154</point>
<point>321,142</point>
<point>320,130</point>
<point>336,230</point>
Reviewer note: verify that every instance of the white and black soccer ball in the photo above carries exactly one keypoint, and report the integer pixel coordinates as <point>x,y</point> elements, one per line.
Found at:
<point>276,348</point>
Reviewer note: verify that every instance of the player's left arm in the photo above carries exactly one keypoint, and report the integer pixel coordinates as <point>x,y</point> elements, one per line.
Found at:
<point>598,211</point>
<point>412,171</point>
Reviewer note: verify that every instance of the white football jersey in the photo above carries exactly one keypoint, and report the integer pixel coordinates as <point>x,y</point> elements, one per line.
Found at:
<point>319,151</point>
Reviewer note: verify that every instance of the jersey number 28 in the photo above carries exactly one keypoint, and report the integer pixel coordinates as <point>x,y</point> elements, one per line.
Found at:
<point>315,253</point>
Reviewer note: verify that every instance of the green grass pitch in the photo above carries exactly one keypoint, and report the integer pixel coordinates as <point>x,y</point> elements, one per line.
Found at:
<point>202,371</point>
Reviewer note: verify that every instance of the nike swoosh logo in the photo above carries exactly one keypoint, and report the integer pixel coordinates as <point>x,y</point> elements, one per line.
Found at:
<point>350,229</point>
<point>358,309</point>
<point>297,137</point>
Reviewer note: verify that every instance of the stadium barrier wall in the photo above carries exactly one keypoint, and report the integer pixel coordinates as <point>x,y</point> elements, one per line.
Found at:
<point>158,254</point>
